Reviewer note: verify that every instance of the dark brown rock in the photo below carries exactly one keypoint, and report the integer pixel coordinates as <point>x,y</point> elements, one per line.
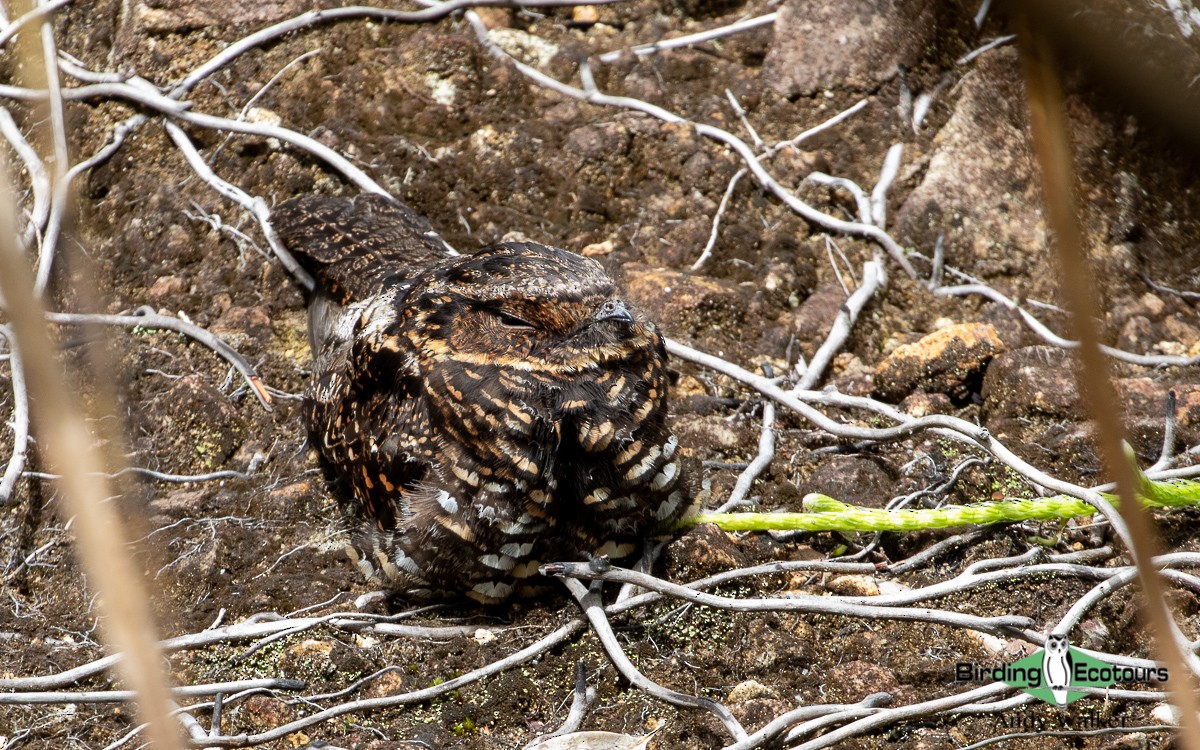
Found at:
<point>1142,397</point>
<point>1034,380</point>
<point>816,314</point>
<point>852,376</point>
<point>261,712</point>
<point>165,290</point>
<point>670,296</point>
<point>204,428</point>
<point>758,712</point>
<point>1137,335</point>
<point>1187,413</point>
<point>857,480</point>
<point>592,141</point>
<point>159,16</point>
<point>703,551</point>
<point>239,326</point>
<point>922,404</point>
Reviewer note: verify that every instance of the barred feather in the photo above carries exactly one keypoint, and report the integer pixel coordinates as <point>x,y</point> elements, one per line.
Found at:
<point>488,412</point>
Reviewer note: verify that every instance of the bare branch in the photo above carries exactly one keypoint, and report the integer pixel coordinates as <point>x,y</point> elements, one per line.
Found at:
<point>62,160</point>
<point>37,14</point>
<point>432,12</point>
<point>766,454</point>
<point>953,427</point>
<point>68,445</point>
<point>887,175</point>
<point>1004,625</point>
<point>888,716</point>
<point>125,696</point>
<point>589,601</point>
<point>582,701</point>
<point>591,95</point>
<point>690,39</point>
<point>716,222</point>
<point>39,179</point>
<point>417,696</point>
<point>146,317</point>
<point>874,279</point>
<point>20,420</point>
<point>1050,337</point>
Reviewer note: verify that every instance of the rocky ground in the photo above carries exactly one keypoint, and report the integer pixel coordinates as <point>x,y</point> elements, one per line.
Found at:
<point>485,153</point>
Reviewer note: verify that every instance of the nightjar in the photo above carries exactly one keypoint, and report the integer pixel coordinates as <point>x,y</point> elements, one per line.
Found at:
<point>489,412</point>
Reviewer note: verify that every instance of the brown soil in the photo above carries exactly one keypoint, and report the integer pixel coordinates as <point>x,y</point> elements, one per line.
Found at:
<point>504,156</point>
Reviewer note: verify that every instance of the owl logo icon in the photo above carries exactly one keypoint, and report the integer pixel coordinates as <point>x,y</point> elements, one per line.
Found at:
<point>1057,667</point>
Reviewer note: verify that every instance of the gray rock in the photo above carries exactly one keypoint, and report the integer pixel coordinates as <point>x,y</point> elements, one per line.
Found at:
<point>855,44</point>
<point>981,188</point>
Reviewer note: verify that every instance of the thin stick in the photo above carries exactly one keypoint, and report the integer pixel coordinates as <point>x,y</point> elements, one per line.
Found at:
<point>716,222</point>
<point>20,420</point>
<point>766,453</point>
<point>888,716</point>
<point>159,476</point>
<point>999,41</point>
<point>1050,337</point>
<point>62,160</point>
<point>432,12</point>
<point>1001,625</point>
<point>589,601</point>
<point>60,204</point>
<point>354,622</point>
<point>953,427</point>
<point>887,175</point>
<point>938,266</point>
<point>1167,455</point>
<point>36,14</point>
<point>741,113</point>
<point>590,94</point>
<point>255,205</point>
<point>143,93</point>
<point>584,697</point>
<point>274,79</point>
<point>145,317</point>
<point>874,278</point>
<point>861,201</point>
<point>816,129</point>
<point>642,50</point>
<point>834,712</point>
<point>532,651</point>
<point>125,696</point>
<point>39,179</point>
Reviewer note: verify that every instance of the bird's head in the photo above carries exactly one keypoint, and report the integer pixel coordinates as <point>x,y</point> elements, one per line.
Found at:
<point>529,307</point>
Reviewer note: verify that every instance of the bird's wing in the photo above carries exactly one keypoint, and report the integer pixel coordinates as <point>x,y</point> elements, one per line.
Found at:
<point>366,408</point>
<point>354,247</point>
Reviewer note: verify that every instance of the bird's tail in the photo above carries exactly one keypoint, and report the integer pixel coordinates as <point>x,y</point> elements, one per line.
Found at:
<point>353,246</point>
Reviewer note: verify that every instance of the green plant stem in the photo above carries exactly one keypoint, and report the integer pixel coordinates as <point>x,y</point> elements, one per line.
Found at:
<point>826,514</point>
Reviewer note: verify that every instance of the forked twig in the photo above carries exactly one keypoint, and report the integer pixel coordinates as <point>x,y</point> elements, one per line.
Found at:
<point>146,317</point>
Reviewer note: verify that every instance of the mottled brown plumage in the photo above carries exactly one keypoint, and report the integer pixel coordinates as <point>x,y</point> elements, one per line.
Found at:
<point>489,412</point>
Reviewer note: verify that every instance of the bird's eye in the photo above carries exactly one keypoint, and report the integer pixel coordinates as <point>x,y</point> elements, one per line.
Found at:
<point>512,321</point>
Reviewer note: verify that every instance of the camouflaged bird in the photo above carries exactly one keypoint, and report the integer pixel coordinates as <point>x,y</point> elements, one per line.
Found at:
<point>490,412</point>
